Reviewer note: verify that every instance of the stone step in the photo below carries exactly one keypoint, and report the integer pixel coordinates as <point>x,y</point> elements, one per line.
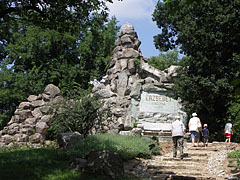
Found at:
<point>195,159</point>
<point>175,163</point>
<point>189,144</point>
<point>191,154</point>
<point>202,148</point>
<point>186,164</point>
<point>180,177</point>
<point>157,133</point>
<point>175,166</point>
<point>178,172</point>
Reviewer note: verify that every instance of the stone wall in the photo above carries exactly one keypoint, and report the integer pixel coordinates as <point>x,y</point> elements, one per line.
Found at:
<point>31,120</point>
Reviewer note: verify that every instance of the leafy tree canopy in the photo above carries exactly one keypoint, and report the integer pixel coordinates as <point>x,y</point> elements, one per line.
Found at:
<point>66,43</point>
<point>165,60</point>
<point>208,33</point>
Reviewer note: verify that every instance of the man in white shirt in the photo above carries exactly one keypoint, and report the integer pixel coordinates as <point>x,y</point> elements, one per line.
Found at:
<point>178,131</point>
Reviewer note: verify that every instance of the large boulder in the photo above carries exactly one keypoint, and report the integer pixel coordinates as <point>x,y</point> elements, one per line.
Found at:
<point>52,90</point>
<point>105,163</point>
<point>67,140</point>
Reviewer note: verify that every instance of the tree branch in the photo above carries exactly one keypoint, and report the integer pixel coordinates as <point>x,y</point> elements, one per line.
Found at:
<point>19,9</point>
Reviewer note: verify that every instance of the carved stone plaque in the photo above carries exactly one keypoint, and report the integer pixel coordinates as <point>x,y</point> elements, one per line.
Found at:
<point>158,102</point>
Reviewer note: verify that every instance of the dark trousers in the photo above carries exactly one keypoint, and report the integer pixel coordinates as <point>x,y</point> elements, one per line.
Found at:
<point>177,140</point>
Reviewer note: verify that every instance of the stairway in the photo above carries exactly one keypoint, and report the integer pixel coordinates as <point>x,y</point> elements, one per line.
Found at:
<point>192,167</point>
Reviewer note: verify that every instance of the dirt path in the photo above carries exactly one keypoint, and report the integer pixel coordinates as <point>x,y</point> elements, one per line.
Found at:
<point>199,163</point>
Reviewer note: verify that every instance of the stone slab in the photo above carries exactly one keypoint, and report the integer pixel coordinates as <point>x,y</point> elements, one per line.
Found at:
<point>158,102</point>
<point>156,126</point>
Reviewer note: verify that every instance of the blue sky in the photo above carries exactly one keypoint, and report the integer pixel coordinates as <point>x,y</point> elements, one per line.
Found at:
<point>139,14</point>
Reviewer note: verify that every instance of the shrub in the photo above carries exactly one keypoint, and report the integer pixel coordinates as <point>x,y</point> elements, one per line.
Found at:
<point>234,154</point>
<point>81,114</point>
<point>234,163</point>
<point>128,147</point>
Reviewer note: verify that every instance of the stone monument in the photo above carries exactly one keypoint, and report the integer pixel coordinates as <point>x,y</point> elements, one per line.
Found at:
<point>136,92</point>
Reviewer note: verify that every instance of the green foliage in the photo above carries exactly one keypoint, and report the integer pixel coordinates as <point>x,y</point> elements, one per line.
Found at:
<point>52,164</point>
<point>135,125</point>
<point>205,32</point>
<point>30,164</point>
<point>128,147</point>
<point>12,90</point>
<point>136,63</point>
<point>235,162</point>
<point>234,154</point>
<point>63,43</point>
<point>234,113</point>
<point>62,13</point>
<point>81,114</point>
<point>165,60</point>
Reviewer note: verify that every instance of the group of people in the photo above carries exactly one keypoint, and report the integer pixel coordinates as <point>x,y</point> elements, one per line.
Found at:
<point>195,127</point>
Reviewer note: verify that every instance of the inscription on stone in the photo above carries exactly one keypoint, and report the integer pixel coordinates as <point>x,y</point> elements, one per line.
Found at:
<point>158,102</point>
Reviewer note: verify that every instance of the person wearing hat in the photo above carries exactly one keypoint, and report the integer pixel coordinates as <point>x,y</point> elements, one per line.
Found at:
<point>205,133</point>
<point>228,130</point>
<point>195,126</point>
<point>178,131</point>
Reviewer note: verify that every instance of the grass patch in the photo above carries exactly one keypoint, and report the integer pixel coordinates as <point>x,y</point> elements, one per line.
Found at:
<point>234,163</point>
<point>28,163</point>
<point>53,164</point>
<point>128,147</point>
<point>234,154</point>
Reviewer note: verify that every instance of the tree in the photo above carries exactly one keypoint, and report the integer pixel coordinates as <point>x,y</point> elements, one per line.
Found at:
<point>164,60</point>
<point>207,32</point>
<point>63,16</point>
<point>234,112</point>
<point>68,50</point>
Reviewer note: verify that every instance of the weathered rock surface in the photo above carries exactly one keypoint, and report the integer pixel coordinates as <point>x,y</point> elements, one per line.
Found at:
<point>128,77</point>
<point>31,121</point>
<point>105,163</point>
<point>67,140</point>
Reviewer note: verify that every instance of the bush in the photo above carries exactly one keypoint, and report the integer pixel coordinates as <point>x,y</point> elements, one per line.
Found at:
<point>236,162</point>
<point>234,154</point>
<point>128,147</point>
<point>81,114</point>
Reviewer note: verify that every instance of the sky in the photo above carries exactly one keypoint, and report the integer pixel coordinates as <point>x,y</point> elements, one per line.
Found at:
<point>139,14</point>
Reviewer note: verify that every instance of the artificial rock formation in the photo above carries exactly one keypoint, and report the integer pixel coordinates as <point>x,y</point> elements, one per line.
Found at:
<point>31,120</point>
<point>128,76</point>
<point>131,89</point>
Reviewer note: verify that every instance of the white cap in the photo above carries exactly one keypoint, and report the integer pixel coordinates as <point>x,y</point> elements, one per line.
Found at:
<point>177,117</point>
<point>194,114</point>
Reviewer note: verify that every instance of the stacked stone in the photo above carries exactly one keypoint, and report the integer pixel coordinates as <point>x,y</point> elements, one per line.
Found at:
<point>122,70</point>
<point>128,75</point>
<point>31,119</point>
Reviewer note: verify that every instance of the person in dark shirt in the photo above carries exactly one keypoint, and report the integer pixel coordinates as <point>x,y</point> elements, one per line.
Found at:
<point>205,133</point>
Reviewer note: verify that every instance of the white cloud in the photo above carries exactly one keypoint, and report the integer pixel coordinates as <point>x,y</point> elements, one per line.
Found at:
<point>132,9</point>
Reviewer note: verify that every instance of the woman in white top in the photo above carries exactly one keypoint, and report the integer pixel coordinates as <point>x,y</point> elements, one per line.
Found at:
<point>194,125</point>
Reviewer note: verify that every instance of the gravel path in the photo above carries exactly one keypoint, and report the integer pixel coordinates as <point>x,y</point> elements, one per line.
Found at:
<point>216,161</point>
